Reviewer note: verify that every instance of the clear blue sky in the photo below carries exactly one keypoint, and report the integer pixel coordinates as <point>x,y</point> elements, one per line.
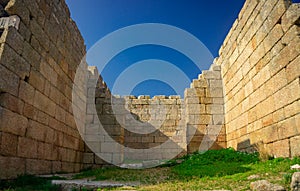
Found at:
<point>209,21</point>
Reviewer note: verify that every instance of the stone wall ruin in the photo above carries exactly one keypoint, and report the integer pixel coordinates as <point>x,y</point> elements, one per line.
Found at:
<point>250,95</point>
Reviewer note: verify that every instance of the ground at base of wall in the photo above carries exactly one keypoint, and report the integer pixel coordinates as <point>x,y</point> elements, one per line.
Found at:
<point>214,170</point>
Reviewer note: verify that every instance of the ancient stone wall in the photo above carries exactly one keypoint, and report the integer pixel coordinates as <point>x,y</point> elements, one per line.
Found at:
<point>205,112</point>
<point>38,59</point>
<point>169,125</point>
<point>260,61</point>
<point>249,96</point>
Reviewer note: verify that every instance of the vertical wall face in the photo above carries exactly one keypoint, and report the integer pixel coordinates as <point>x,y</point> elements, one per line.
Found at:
<point>122,130</point>
<point>205,112</point>
<point>260,61</point>
<point>37,65</point>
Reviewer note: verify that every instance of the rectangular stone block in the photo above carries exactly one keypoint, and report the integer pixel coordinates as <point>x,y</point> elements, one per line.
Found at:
<point>31,55</point>
<point>14,62</point>
<point>218,119</point>
<point>9,144</point>
<point>11,102</point>
<point>291,16</point>
<point>88,158</point>
<point>67,167</point>
<point>11,167</point>
<point>281,148</point>
<point>214,109</point>
<point>294,143</point>
<point>26,92</point>
<point>9,82</point>
<point>293,69</point>
<point>287,128</point>
<point>214,92</point>
<point>36,80</point>
<point>273,37</point>
<point>206,74</point>
<point>44,104</point>
<point>195,109</point>
<point>12,122</point>
<point>27,148</point>
<point>199,83</point>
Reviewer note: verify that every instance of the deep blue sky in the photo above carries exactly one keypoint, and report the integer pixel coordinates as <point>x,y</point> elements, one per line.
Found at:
<point>209,21</point>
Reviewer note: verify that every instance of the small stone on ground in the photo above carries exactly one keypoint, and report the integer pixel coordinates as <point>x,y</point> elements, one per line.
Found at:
<point>264,185</point>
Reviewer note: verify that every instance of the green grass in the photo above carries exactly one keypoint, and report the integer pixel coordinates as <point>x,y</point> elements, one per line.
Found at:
<point>222,169</point>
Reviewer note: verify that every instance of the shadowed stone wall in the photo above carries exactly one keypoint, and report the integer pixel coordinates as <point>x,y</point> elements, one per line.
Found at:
<point>38,59</point>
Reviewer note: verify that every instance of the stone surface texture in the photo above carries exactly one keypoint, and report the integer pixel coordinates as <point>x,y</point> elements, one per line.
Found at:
<point>295,184</point>
<point>250,95</point>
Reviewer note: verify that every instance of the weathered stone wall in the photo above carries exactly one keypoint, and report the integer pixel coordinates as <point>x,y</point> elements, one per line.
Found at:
<point>38,60</point>
<point>260,61</point>
<point>195,123</point>
<point>249,96</point>
<point>135,123</point>
<point>205,112</point>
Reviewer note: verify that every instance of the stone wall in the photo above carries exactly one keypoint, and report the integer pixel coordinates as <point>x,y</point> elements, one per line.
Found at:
<point>260,61</point>
<point>136,124</point>
<point>249,97</point>
<point>195,123</point>
<point>205,112</point>
<point>38,59</point>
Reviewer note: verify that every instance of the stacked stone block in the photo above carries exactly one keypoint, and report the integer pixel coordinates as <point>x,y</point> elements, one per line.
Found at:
<point>205,112</point>
<point>260,70</point>
<point>39,54</point>
<point>133,125</point>
<point>250,96</point>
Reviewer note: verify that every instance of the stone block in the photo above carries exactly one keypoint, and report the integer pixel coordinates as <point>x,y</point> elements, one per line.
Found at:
<point>56,166</point>
<point>287,128</point>
<point>27,148</point>
<point>88,158</point>
<point>26,92</point>
<point>48,72</point>
<point>34,166</point>
<point>14,39</point>
<point>167,101</point>
<point>206,74</point>
<point>60,114</point>
<point>290,35</point>
<point>218,119</point>
<point>214,92</point>
<point>214,109</point>
<point>47,151</point>
<point>30,112</point>
<point>293,70</point>
<point>12,122</point>
<point>200,119</point>
<point>31,55</point>
<point>286,55</point>
<point>12,103</point>
<point>291,16</point>
<point>273,37</point>
<point>9,143</point>
<point>292,109</point>
<point>44,104</point>
<point>9,82</point>
<point>281,148</point>
<point>36,80</point>
<point>295,149</point>
<point>11,167</point>
<point>195,109</point>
